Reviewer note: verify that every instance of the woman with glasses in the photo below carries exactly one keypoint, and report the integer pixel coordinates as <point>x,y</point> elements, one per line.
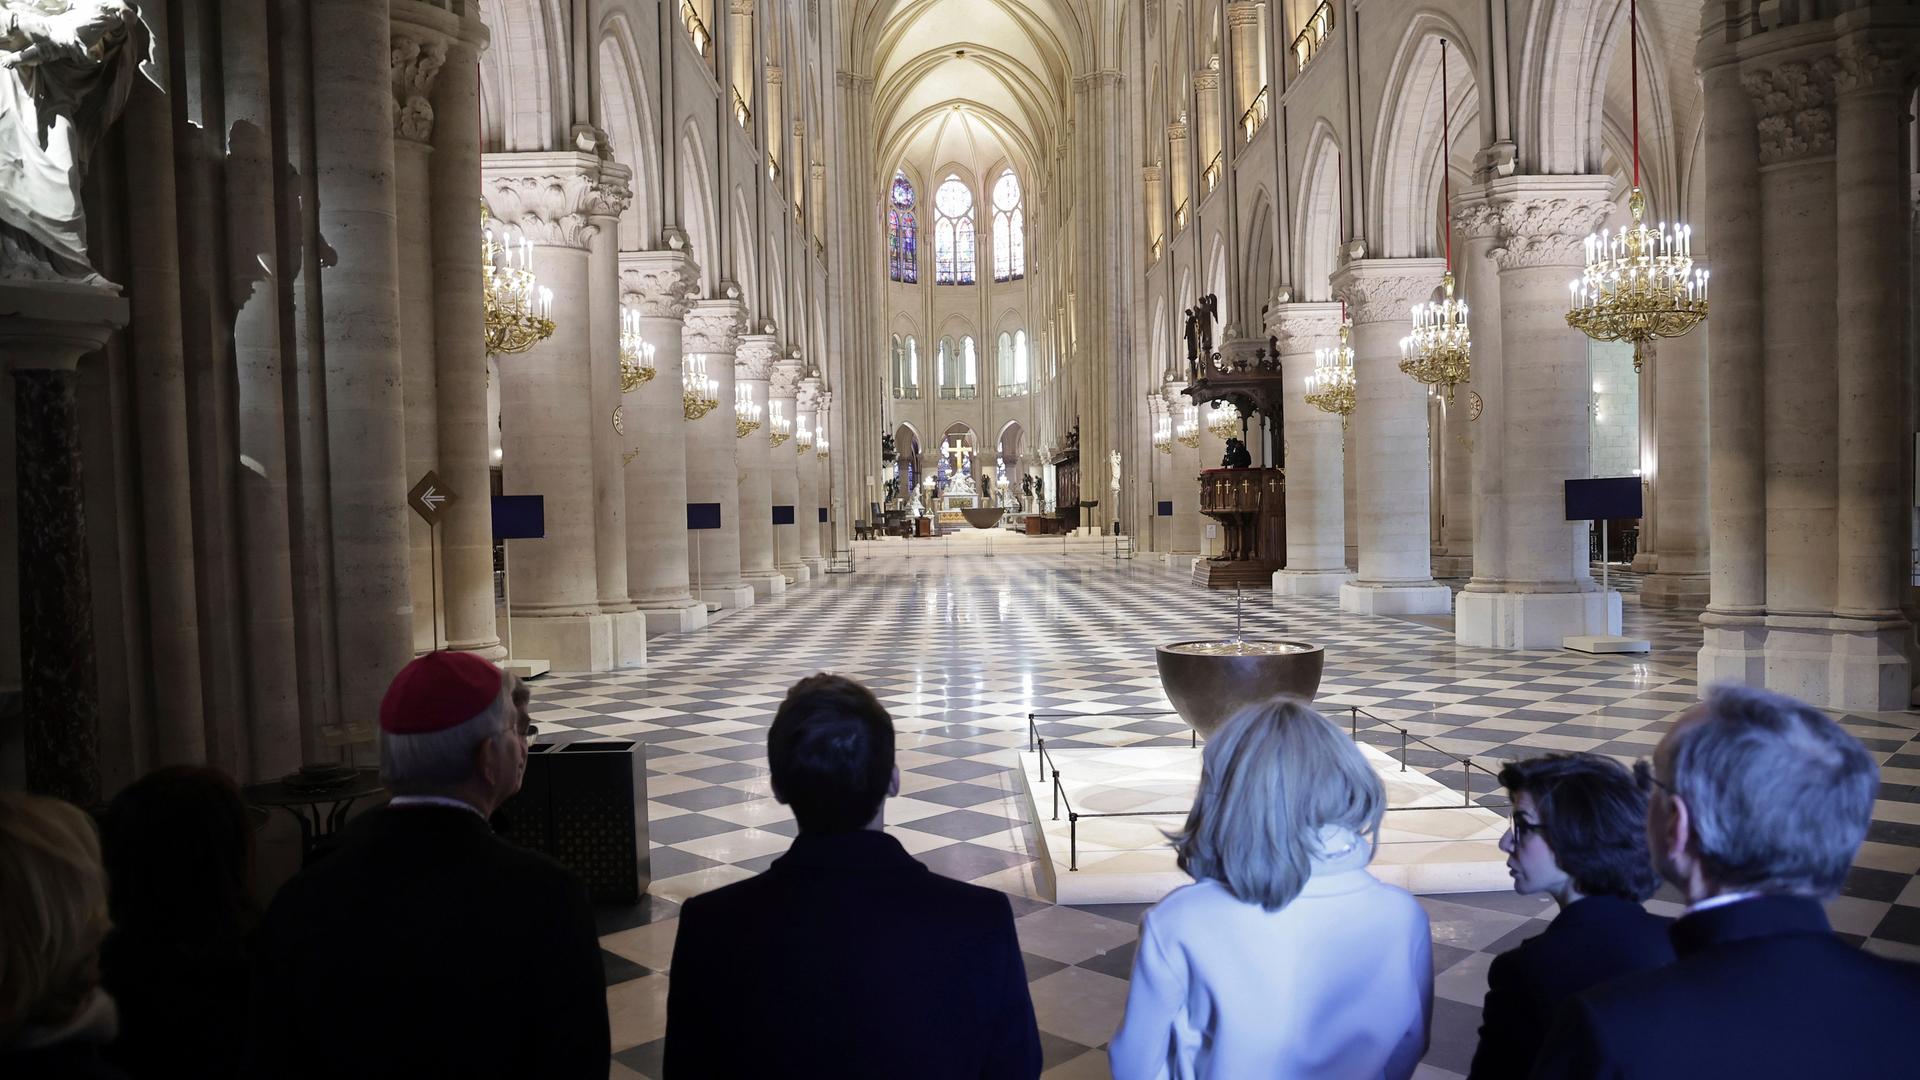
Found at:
<point>1285,958</point>
<point>1578,835</point>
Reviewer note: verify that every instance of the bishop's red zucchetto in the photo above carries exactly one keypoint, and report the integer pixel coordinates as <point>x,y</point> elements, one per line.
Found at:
<point>437,691</point>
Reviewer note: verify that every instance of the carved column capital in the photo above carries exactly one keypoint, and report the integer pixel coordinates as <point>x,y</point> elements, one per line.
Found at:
<point>1545,220</point>
<point>1177,130</point>
<point>1474,218</point>
<point>713,326</point>
<point>1385,290</point>
<point>658,284</point>
<point>755,357</point>
<point>774,77</point>
<point>1872,64</point>
<point>785,378</point>
<point>1793,101</point>
<point>551,198</point>
<point>416,60</point>
<point>1304,327</point>
<point>1243,13</point>
<point>1206,79</point>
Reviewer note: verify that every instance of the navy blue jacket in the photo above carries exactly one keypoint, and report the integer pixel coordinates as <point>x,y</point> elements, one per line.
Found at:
<point>1762,988</point>
<point>1595,939</point>
<point>849,958</point>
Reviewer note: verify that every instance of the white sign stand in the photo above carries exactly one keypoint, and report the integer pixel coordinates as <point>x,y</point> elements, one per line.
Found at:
<point>1605,643</point>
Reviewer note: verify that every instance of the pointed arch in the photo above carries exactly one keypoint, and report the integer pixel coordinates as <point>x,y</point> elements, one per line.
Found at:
<point>697,215</point>
<point>1316,222</point>
<point>626,112</point>
<point>1404,192</point>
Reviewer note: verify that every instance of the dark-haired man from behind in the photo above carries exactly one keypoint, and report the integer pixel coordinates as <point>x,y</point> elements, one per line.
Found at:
<point>1756,805</point>
<point>847,957</point>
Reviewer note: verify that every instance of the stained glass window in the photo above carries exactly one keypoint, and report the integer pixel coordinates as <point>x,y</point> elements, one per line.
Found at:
<point>1009,229</point>
<point>953,233</point>
<point>902,264</point>
<point>1020,372</point>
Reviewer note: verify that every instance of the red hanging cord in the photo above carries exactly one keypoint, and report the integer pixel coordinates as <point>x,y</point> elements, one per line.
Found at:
<point>1633,48</point>
<point>1446,136</point>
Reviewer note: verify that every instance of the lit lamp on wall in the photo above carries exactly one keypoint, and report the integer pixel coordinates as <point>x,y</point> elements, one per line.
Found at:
<point>1187,431</point>
<point>700,392</point>
<point>746,411</point>
<point>802,439</point>
<point>636,355</point>
<point>1225,421</point>
<point>779,428</point>
<point>820,447</point>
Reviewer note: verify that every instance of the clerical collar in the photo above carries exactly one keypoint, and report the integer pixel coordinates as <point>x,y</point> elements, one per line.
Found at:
<point>1722,900</point>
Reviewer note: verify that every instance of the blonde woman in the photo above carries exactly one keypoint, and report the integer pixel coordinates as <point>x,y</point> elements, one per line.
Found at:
<point>1284,958</point>
<point>54,1018</point>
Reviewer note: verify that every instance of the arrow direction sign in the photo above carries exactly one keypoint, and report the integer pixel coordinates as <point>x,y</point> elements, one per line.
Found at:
<point>430,497</point>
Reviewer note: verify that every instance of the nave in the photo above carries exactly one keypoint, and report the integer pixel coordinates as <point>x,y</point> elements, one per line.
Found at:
<point>961,649</point>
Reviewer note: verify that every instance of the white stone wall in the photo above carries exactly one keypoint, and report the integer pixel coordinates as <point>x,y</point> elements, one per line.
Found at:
<point>1615,410</point>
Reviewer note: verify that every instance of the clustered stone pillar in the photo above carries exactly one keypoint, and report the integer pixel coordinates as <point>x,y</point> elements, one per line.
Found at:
<point>783,400</point>
<point>1316,520</point>
<point>1807,206</point>
<point>808,472</point>
<point>752,368</point>
<point>459,345</point>
<point>1389,433</point>
<point>366,426</point>
<point>629,627</point>
<point>1534,588</point>
<point>546,408</point>
<point>826,498</point>
<point>657,285</point>
<point>712,334</point>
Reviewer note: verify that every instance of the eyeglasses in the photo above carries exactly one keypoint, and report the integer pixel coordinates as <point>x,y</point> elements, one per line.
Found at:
<point>1524,827</point>
<point>1643,775</point>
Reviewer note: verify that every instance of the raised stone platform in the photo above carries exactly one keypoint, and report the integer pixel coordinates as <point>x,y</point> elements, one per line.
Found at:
<point>1429,843</point>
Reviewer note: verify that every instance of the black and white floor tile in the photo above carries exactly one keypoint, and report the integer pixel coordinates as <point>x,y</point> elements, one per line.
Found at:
<point>963,651</point>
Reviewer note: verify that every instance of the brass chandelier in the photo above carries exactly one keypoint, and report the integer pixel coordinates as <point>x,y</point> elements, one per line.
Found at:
<point>1187,431</point>
<point>1158,408</point>
<point>699,393</point>
<point>1225,421</point>
<point>1640,284</point>
<point>821,447</point>
<point>636,354</point>
<point>1330,388</point>
<point>1438,352</point>
<point>779,428</point>
<point>746,411</point>
<point>516,306</point>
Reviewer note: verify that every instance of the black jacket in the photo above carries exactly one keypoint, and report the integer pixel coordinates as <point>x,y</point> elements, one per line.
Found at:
<point>848,958</point>
<point>427,946</point>
<point>1762,988</point>
<point>1595,939</point>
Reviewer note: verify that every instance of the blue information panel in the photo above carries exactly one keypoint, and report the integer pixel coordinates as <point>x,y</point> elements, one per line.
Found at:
<point>519,517</point>
<point>703,515</point>
<point>823,515</point>
<point>1166,508</point>
<point>783,515</point>
<point>1607,498</point>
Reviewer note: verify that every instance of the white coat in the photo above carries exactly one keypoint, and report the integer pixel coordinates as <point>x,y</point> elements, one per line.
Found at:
<point>1338,983</point>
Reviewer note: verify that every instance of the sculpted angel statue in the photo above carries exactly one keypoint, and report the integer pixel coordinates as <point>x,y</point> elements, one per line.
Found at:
<point>66,67</point>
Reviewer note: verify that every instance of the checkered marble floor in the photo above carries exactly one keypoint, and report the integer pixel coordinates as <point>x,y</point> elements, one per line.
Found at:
<point>963,650</point>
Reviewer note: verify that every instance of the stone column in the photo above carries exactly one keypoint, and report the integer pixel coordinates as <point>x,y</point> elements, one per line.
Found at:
<point>1537,589</point>
<point>1678,467</point>
<point>43,334</point>
<point>1476,223</point>
<point>365,421</point>
<point>1243,31</point>
<point>657,284</point>
<point>1389,437</point>
<point>811,495</point>
<point>1870,669</point>
<point>828,498</point>
<point>609,199</point>
<point>272,725</point>
<point>1455,556</point>
<point>783,396</point>
<point>1206,92</point>
<point>1734,624</point>
<point>1156,212</point>
<point>1183,488</point>
<point>1178,173</point>
<point>459,345</point>
<point>547,417</point>
<point>419,51</point>
<point>752,368</point>
<point>1316,521</point>
<point>712,332</point>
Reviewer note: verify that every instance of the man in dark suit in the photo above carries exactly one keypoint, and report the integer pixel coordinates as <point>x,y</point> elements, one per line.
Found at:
<point>424,945</point>
<point>847,957</point>
<point>1756,808</point>
<point>1578,835</point>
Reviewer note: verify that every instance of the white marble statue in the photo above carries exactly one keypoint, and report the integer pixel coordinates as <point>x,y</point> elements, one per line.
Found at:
<point>1113,463</point>
<point>66,67</point>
